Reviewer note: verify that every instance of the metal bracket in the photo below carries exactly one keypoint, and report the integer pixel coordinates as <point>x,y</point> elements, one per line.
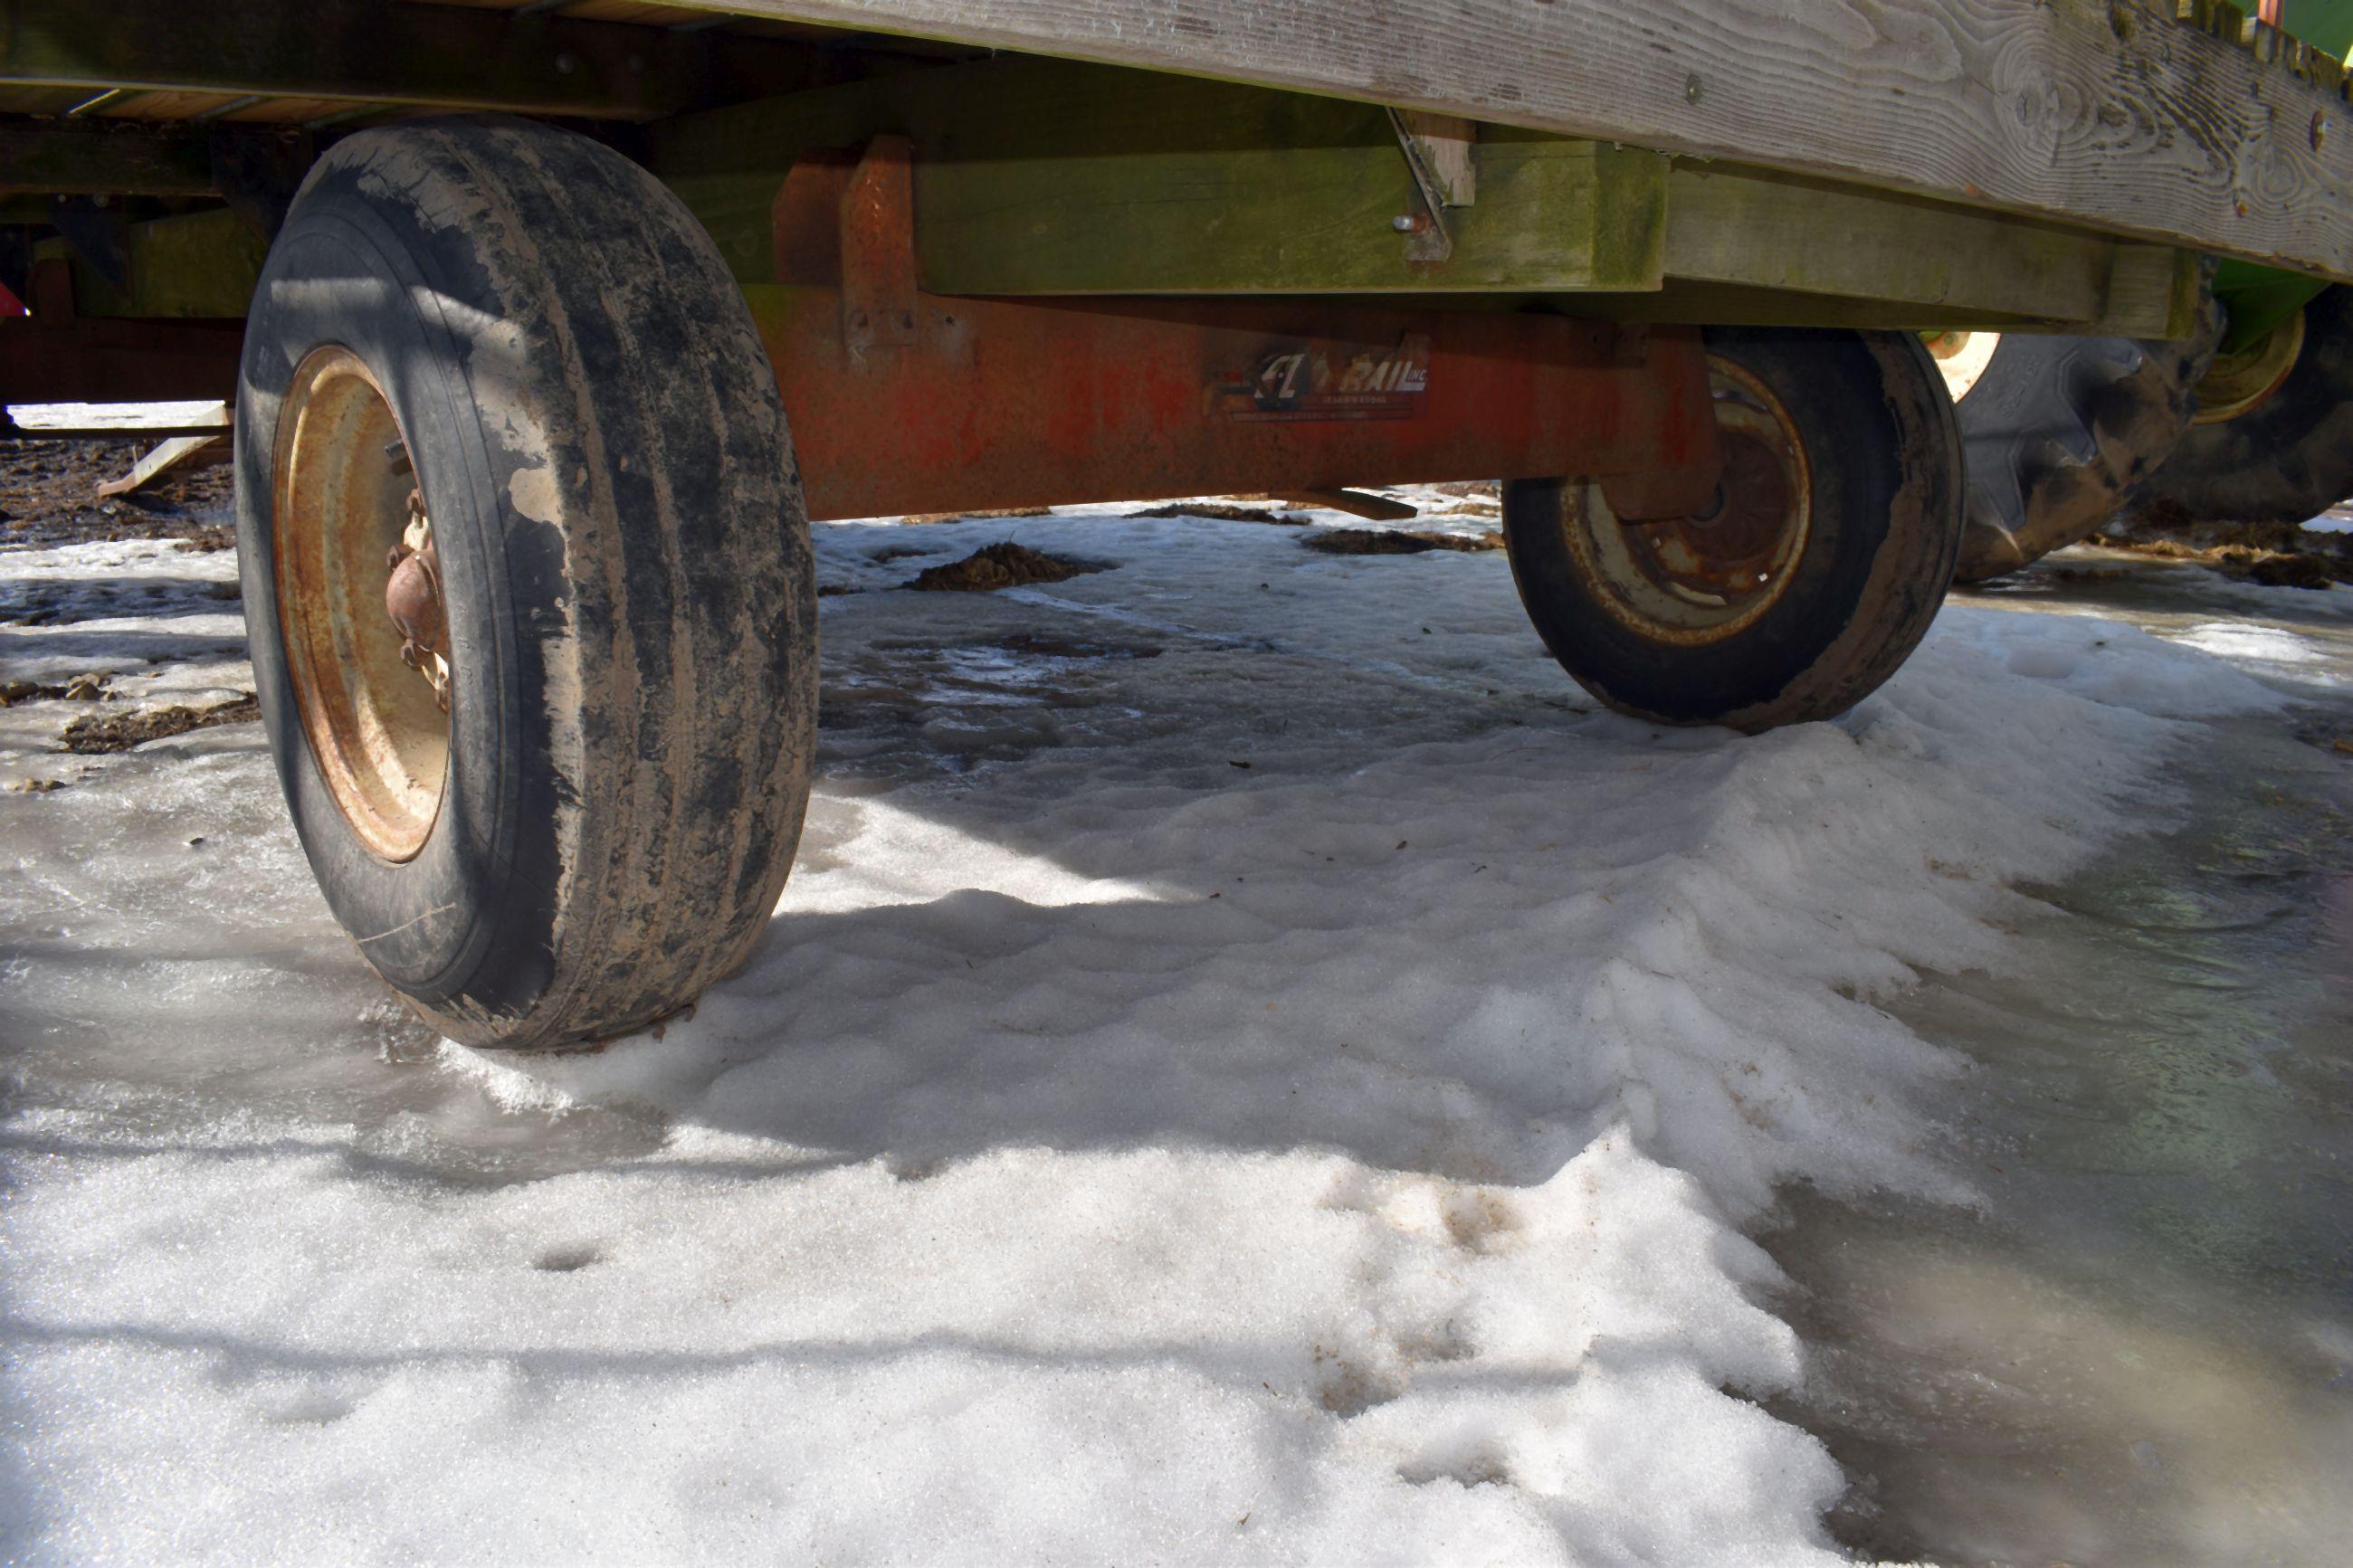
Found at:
<point>878,308</point>
<point>1437,149</point>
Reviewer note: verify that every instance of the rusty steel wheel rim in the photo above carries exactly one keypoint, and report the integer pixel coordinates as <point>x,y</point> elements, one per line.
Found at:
<point>1692,581</point>
<point>359,602</point>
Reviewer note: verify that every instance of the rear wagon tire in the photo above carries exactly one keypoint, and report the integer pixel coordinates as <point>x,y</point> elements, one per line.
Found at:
<point>560,355</point>
<point>1859,427</point>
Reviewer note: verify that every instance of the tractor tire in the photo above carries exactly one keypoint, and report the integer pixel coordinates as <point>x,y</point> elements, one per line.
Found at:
<point>2061,432</point>
<point>2288,457</point>
<point>527,579</point>
<point>1819,571</point>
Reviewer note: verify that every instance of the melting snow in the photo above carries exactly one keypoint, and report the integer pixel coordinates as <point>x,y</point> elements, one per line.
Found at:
<point>1250,1067</point>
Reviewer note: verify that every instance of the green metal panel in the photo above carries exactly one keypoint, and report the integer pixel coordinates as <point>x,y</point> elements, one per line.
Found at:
<point>2323,24</point>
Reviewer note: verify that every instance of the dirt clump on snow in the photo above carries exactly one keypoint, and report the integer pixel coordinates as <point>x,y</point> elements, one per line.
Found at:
<point>1395,542</point>
<point>99,733</point>
<point>2275,554</point>
<point>1072,648</point>
<point>2272,568</point>
<point>1223,512</point>
<point>982,512</point>
<point>1001,565</point>
<point>80,689</point>
<point>2297,571</point>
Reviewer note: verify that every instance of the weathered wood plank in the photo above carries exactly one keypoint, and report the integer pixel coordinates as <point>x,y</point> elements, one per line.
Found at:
<point>1051,177</point>
<point>368,51</point>
<point>2106,113</point>
<point>82,157</point>
<point>1559,214</point>
<point>2152,293</point>
<point>1044,177</point>
<point>160,459</point>
<point>1762,231</point>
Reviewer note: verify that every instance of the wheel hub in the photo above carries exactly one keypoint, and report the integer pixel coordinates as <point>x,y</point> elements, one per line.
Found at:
<point>412,597</point>
<point>1727,555</point>
<point>353,542</point>
<point>1691,581</point>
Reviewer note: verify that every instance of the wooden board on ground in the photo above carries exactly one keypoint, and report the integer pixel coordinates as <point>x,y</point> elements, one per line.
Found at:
<point>161,460</point>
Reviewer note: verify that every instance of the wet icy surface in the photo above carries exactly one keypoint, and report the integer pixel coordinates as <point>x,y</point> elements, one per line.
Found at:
<point>1249,1066</point>
<point>2140,1350</point>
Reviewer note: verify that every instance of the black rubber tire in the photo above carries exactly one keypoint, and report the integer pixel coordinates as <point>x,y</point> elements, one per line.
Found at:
<point>1876,424</point>
<point>2290,458</point>
<point>598,436</point>
<point>2061,432</point>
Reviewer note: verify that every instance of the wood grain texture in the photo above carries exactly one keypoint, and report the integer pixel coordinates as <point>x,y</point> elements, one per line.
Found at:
<point>1043,177</point>
<point>340,51</point>
<point>1037,176</point>
<point>1792,236</point>
<point>2105,113</point>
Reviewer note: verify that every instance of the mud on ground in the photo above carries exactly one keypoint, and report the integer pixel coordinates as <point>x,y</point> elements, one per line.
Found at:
<point>48,495</point>
<point>2276,555</point>
<point>118,616</point>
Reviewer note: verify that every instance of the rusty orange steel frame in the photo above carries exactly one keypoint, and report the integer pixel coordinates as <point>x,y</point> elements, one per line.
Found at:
<point>906,401</point>
<point>54,355</point>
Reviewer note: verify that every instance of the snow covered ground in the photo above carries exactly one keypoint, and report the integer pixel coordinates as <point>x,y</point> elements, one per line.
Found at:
<point>1250,1067</point>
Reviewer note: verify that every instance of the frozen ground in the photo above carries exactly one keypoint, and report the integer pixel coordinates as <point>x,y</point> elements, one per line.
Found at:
<point>1250,1067</point>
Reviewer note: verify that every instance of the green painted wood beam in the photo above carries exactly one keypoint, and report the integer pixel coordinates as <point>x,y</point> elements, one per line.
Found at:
<point>368,51</point>
<point>83,157</point>
<point>1038,176</point>
<point>194,265</point>
<point>1050,177</point>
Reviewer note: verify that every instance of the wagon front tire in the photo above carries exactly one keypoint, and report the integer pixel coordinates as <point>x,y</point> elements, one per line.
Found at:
<point>527,579</point>
<point>1813,576</point>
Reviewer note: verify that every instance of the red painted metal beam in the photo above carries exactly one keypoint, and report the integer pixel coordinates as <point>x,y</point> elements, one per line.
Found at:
<point>902,401</point>
<point>1002,404</point>
<point>55,356</point>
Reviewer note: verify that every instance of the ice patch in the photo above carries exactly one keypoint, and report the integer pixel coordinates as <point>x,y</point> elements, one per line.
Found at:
<point>2244,644</point>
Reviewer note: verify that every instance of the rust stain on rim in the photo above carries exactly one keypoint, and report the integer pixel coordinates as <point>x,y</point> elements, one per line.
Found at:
<point>340,493</point>
<point>1705,578</point>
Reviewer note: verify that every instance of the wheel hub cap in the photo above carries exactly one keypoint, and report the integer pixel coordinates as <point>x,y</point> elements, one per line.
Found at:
<point>353,546</point>
<point>1704,578</point>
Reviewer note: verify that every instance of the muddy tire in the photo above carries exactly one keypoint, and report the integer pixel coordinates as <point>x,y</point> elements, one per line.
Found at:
<point>1816,574</point>
<point>2287,459</point>
<point>534,335</point>
<point>2059,432</point>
